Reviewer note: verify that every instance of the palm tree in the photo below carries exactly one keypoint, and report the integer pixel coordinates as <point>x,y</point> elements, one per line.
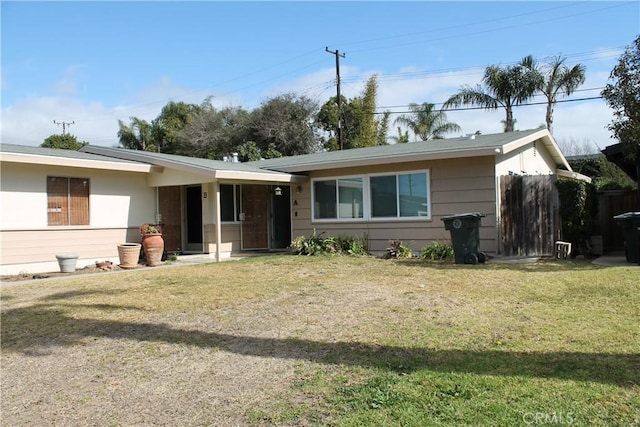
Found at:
<point>139,135</point>
<point>558,77</point>
<point>506,87</point>
<point>426,122</point>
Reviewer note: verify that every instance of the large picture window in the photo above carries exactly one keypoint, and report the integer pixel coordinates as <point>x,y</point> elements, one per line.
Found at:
<point>67,201</point>
<point>401,195</point>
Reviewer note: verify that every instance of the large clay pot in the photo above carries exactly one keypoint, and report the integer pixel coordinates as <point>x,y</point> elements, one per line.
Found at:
<point>153,245</point>
<point>129,254</point>
<point>67,262</point>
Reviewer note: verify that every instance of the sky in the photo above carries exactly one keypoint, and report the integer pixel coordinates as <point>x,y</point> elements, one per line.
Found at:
<point>90,64</point>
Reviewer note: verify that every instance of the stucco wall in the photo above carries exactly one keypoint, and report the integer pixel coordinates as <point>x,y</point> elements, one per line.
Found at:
<point>457,186</point>
<point>118,203</point>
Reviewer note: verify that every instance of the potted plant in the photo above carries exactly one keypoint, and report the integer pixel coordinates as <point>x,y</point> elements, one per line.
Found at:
<point>152,243</point>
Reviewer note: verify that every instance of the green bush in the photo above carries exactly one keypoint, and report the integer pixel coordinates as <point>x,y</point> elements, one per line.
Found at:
<point>578,207</point>
<point>437,251</point>
<point>316,245</point>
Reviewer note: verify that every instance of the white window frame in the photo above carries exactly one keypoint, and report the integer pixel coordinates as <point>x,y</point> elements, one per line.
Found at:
<point>337,201</point>
<point>366,198</point>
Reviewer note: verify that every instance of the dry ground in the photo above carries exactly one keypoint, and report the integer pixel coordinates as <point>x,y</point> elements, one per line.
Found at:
<point>228,344</point>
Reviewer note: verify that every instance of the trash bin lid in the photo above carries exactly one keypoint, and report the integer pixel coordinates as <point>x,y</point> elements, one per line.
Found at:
<point>463,216</point>
<point>627,215</point>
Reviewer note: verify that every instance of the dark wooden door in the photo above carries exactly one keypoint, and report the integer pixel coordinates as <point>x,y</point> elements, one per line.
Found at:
<point>255,217</point>
<point>171,211</point>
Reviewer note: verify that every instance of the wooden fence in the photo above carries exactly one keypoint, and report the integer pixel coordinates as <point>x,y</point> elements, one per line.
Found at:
<point>529,215</point>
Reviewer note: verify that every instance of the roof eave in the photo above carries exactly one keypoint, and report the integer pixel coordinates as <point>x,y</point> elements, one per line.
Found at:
<point>75,163</point>
<point>380,160</point>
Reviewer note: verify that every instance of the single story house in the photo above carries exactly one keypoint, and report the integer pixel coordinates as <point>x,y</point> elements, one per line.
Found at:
<point>89,201</point>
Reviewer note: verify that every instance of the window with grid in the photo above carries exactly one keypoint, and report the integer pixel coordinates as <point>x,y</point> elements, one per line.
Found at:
<point>67,201</point>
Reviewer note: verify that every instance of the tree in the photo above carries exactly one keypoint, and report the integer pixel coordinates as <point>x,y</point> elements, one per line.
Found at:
<point>173,118</point>
<point>359,125</point>
<point>557,77</point>
<point>505,87</point>
<point>139,135</point>
<point>287,121</point>
<point>426,122</point>
<point>65,142</point>
<point>623,96</point>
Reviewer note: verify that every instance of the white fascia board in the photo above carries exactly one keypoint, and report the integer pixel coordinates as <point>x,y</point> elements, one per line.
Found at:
<point>573,175</point>
<point>75,163</point>
<point>257,176</point>
<point>377,160</point>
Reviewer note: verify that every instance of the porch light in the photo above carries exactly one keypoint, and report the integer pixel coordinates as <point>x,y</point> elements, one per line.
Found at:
<point>277,191</point>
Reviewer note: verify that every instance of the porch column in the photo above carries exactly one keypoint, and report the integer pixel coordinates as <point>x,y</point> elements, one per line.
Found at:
<point>218,224</point>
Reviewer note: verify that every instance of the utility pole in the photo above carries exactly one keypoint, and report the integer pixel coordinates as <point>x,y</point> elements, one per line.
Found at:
<point>64,125</point>
<point>338,55</point>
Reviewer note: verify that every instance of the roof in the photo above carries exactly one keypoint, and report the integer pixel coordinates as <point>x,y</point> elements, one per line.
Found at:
<point>616,154</point>
<point>474,146</point>
<point>215,169</point>
<point>72,158</point>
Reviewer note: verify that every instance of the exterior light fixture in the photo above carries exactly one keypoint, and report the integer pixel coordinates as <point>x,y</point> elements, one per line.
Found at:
<point>299,189</point>
<point>277,191</point>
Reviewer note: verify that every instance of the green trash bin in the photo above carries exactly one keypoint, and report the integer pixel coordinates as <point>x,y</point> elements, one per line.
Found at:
<point>465,237</point>
<point>630,224</point>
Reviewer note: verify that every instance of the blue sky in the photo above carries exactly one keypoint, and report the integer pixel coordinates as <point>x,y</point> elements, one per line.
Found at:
<point>96,62</point>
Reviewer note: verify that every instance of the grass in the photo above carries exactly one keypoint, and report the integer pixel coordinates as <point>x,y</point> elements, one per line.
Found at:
<point>287,340</point>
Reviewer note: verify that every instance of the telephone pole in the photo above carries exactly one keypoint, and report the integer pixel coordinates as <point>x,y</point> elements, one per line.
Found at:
<point>64,125</point>
<point>338,55</point>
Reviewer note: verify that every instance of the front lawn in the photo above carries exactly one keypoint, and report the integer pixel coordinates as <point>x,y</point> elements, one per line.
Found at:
<point>287,340</point>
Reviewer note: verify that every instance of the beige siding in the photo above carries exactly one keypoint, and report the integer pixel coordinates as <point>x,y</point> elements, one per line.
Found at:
<point>32,246</point>
<point>457,186</point>
<point>230,238</point>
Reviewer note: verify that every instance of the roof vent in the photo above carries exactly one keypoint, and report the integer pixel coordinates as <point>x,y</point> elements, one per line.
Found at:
<point>235,158</point>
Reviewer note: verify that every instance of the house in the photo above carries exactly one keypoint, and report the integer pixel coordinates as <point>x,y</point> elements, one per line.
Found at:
<point>88,202</point>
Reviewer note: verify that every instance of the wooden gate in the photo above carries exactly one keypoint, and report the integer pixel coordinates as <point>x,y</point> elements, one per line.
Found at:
<point>529,214</point>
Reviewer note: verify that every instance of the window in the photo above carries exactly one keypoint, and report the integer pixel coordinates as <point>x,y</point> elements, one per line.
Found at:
<point>67,201</point>
<point>338,198</point>
<point>402,195</point>
<point>229,203</point>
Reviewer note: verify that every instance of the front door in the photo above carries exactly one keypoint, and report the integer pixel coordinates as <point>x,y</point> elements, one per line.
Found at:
<point>169,200</point>
<point>255,217</point>
<point>193,215</point>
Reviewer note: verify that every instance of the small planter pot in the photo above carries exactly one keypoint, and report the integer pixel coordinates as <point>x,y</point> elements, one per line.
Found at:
<point>129,254</point>
<point>67,262</point>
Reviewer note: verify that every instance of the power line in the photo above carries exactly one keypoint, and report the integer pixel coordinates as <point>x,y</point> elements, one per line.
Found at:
<point>64,125</point>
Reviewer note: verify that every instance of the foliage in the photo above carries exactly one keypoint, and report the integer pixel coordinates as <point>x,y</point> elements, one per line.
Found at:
<point>557,78</point>
<point>287,123</point>
<point>397,249</point>
<point>505,87</point>
<point>605,175</point>
<point>359,126</point>
<point>139,135</point>
<point>65,142</point>
<point>578,208</point>
<point>173,118</point>
<point>317,245</point>
<point>426,122</point>
<point>623,96</point>
<point>437,251</point>
<point>402,138</point>
<point>150,229</point>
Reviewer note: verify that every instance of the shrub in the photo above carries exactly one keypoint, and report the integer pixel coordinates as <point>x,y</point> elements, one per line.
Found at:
<point>316,245</point>
<point>437,251</point>
<point>397,249</point>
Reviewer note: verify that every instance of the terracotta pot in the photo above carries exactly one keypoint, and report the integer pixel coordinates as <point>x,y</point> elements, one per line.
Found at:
<point>153,245</point>
<point>129,254</point>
